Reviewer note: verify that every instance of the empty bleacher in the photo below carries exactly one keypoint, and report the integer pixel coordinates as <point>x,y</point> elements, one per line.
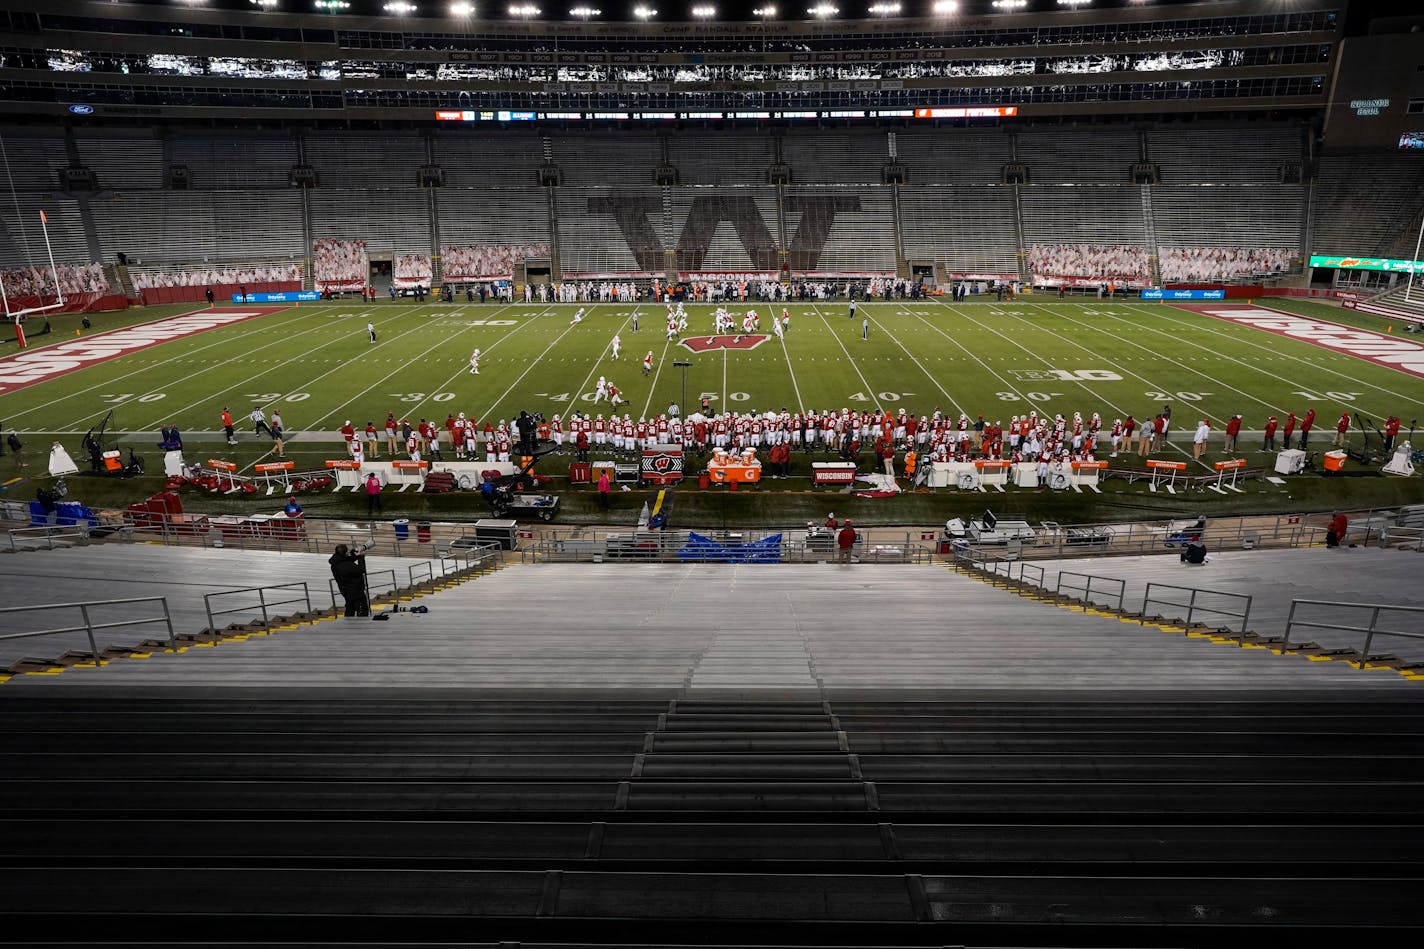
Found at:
<point>155,226</point>
<point>181,575</point>
<point>1078,155</point>
<point>954,156</point>
<point>857,224</point>
<point>1187,155</point>
<point>836,157</point>
<point>726,157</point>
<point>123,159</point>
<point>365,160</point>
<point>23,239</point>
<point>471,216</point>
<point>1262,215</point>
<point>1368,205</point>
<point>484,160</point>
<point>235,160</point>
<point>394,221</point>
<point>966,229</point>
<point>1065,214</point>
<point>622,158</point>
<point>772,755</point>
<point>33,158</point>
<point>590,239</point>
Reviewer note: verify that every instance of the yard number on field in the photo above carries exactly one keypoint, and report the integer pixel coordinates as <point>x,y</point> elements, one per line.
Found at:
<point>125,396</point>
<point>274,396</point>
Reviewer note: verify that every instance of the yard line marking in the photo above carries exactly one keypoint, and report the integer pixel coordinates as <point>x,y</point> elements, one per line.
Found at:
<point>792,369</point>
<point>301,356</point>
<point>1082,385</point>
<point>535,362</point>
<point>1261,346</point>
<point>967,352</point>
<point>894,339</point>
<point>577,396</point>
<point>464,369</point>
<point>657,375</point>
<point>149,365</point>
<point>1175,362</point>
<point>869,389</point>
<point>399,369</point>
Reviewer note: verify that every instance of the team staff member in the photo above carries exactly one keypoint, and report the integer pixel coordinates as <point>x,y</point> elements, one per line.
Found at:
<point>227,426</point>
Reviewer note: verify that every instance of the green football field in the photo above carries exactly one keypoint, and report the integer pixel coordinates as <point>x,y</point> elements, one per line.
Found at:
<point>315,363</point>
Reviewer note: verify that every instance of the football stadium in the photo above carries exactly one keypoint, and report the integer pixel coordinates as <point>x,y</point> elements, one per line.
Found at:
<point>924,473</point>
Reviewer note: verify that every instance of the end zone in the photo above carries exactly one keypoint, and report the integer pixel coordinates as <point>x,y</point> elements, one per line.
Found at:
<point>1381,349</point>
<point>30,367</point>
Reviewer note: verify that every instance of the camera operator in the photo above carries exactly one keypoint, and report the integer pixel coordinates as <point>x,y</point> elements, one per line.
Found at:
<point>348,569</point>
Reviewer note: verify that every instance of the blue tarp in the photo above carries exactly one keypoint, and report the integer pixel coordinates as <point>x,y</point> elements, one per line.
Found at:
<point>705,549</point>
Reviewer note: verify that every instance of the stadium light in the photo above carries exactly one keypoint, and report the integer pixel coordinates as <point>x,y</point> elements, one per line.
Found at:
<point>704,11</point>
<point>644,13</point>
<point>1074,3</point>
<point>945,7</point>
<point>331,5</point>
<point>766,11</point>
<point>399,7</point>
<point>585,13</point>
<point>823,10</point>
<point>264,4</point>
<point>462,9</point>
<point>885,9</point>
<point>524,9</point>
<point>1009,4</point>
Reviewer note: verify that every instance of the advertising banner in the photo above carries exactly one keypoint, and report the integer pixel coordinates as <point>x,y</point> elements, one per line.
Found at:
<point>1386,264</point>
<point>300,296</point>
<point>1184,294</point>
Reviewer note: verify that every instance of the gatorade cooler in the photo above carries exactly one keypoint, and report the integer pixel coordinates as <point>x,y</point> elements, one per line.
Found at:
<point>1335,460</point>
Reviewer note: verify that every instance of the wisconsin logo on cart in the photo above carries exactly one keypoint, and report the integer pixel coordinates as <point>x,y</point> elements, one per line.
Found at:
<point>705,344</point>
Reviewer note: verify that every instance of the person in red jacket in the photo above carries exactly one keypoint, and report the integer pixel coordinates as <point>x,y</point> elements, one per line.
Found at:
<point>1306,424</point>
<point>1270,441</point>
<point>1341,428</point>
<point>845,540</point>
<point>1391,432</point>
<point>1335,530</point>
<point>1289,431</point>
<point>1233,428</point>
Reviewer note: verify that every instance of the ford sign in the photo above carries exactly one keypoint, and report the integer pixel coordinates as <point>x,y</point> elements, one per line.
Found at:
<point>80,108</point>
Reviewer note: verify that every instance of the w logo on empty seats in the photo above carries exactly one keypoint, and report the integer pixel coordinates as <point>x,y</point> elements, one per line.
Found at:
<point>704,344</point>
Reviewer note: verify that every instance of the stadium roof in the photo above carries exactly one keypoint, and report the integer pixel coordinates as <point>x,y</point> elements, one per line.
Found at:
<point>1362,12</point>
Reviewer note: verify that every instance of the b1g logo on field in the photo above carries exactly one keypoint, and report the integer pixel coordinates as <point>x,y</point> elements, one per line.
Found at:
<point>704,344</point>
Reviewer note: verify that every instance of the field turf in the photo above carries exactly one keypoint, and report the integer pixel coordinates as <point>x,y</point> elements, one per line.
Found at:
<point>315,363</point>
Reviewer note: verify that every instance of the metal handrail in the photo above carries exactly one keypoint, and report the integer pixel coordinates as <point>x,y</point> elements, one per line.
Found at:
<point>1192,607</point>
<point>49,534</point>
<point>89,626</point>
<point>262,601</point>
<point>426,568</point>
<point>1087,588</point>
<point>1370,631</point>
<point>370,588</point>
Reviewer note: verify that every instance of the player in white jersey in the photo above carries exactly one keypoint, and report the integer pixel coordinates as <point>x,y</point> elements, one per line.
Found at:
<point>578,317</point>
<point>601,391</point>
<point>776,329</point>
<point>475,363</point>
<point>617,346</point>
